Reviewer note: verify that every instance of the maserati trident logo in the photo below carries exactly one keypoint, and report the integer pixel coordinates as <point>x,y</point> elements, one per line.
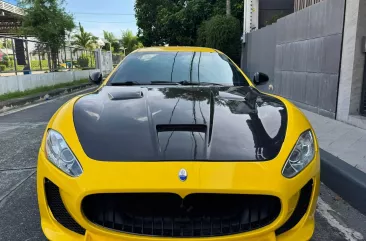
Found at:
<point>182,174</point>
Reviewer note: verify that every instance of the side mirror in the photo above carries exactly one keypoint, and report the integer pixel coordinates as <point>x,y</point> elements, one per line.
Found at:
<point>96,78</point>
<point>260,78</point>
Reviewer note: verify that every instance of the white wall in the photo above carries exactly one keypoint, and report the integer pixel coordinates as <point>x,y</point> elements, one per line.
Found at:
<point>104,61</point>
<point>26,82</point>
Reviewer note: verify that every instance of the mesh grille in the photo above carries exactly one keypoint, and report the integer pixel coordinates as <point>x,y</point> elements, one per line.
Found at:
<point>168,215</point>
<point>59,210</point>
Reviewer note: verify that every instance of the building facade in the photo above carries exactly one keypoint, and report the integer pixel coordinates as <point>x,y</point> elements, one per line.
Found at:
<point>315,57</point>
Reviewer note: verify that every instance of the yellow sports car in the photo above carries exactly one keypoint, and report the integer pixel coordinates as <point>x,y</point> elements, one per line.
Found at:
<point>178,144</point>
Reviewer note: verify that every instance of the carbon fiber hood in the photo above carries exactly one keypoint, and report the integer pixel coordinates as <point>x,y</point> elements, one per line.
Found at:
<point>180,123</point>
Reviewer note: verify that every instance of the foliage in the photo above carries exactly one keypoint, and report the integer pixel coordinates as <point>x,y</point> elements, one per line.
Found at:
<point>84,39</point>
<point>223,33</point>
<point>2,67</point>
<point>109,36</point>
<point>176,22</point>
<point>40,48</point>
<point>8,61</point>
<point>85,61</point>
<point>48,21</point>
<point>130,42</point>
<point>6,43</point>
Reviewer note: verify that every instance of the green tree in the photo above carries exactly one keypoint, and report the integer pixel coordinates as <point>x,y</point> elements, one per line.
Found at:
<point>176,22</point>
<point>223,33</point>
<point>84,39</point>
<point>48,21</point>
<point>130,42</point>
<point>6,43</point>
<point>109,36</point>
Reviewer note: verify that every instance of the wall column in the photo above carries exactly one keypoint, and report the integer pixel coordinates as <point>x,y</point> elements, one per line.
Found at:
<point>352,64</point>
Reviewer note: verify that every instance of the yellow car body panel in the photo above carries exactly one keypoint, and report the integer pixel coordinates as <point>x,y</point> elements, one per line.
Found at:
<point>205,177</point>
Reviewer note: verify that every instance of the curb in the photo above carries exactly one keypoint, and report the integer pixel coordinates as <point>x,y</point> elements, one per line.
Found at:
<point>35,97</point>
<point>345,180</point>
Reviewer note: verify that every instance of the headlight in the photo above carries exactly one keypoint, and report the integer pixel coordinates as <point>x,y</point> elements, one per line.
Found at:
<point>302,154</point>
<point>59,153</point>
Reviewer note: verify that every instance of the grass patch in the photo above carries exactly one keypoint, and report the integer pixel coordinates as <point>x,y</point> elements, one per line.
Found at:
<point>41,89</point>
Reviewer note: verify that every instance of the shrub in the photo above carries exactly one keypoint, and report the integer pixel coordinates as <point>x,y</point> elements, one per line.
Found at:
<point>223,33</point>
<point>2,67</point>
<point>8,61</point>
<point>85,61</point>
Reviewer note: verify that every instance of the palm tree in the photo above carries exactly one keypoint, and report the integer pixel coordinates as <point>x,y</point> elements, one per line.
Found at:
<point>130,41</point>
<point>84,39</point>
<point>109,36</point>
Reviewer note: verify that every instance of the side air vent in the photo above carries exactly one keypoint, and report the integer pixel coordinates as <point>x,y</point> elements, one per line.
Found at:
<point>58,208</point>
<point>300,210</point>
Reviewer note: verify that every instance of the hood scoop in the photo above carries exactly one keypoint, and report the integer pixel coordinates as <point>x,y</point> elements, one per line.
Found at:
<point>125,95</point>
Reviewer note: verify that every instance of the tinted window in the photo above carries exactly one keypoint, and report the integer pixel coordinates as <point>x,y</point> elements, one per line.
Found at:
<point>182,66</point>
<point>144,67</point>
<point>216,68</point>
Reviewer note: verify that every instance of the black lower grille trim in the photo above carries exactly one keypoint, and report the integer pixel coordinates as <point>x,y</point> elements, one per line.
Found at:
<point>300,210</point>
<point>58,208</point>
<point>168,215</point>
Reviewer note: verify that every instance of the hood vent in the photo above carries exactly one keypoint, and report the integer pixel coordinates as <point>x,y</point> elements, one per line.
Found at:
<point>123,95</point>
<point>188,128</point>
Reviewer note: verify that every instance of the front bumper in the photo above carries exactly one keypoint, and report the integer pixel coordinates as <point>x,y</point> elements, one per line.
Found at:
<point>210,177</point>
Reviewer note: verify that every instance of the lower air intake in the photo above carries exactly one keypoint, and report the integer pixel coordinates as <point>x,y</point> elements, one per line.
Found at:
<point>168,215</point>
<point>58,208</point>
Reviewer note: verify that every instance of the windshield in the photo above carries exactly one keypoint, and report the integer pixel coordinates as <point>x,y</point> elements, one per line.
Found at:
<point>195,67</point>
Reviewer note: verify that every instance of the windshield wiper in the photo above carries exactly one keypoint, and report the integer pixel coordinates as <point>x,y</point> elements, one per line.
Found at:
<point>185,82</point>
<point>163,82</point>
<point>210,83</point>
<point>125,83</point>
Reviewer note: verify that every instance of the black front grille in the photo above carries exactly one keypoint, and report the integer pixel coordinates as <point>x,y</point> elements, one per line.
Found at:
<point>58,208</point>
<point>168,215</point>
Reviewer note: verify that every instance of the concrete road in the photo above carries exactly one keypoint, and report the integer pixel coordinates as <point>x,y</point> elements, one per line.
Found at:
<point>20,136</point>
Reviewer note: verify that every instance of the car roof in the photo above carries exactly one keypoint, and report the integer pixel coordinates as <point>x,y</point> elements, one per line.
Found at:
<point>176,49</point>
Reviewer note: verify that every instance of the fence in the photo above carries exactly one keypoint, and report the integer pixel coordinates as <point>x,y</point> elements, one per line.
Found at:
<point>26,64</point>
<point>25,56</point>
<point>301,53</point>
<point>301,4</point>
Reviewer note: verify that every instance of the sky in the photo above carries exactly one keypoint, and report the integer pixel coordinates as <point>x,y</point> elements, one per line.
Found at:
<point>99,15</point>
